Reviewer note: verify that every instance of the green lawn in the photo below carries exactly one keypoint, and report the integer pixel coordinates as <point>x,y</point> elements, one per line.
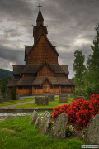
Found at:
<point>11,102</point>
<point>19,133</point>
<point>70,99</point>
<point>52,104</point>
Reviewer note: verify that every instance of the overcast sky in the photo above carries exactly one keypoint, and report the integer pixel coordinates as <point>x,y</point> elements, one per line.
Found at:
<point>71,26</point>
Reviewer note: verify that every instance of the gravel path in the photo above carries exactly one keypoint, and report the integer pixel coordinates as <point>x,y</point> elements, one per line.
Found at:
<point>3,116</point>
<point>14,105</point>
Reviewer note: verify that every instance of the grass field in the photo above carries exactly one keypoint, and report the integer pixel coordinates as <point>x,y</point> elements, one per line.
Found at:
<point>18,133</point>
<point>52,104</point>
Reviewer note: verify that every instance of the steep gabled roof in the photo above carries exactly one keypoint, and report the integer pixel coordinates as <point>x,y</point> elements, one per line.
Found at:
<point>53,47</point>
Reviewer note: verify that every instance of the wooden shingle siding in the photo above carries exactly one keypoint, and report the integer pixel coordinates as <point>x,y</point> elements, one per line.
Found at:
<point>42,53</point>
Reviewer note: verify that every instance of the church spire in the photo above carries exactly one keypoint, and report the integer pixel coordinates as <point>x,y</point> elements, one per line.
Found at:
<point>40,19</point>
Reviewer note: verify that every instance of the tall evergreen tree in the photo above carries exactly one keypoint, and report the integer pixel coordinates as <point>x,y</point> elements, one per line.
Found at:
<point>93,64</point>
<point>79,69</point>
<point>3,85</point>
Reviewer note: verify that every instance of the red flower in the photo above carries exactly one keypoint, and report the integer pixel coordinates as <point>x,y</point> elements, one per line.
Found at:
<point>79,112</point>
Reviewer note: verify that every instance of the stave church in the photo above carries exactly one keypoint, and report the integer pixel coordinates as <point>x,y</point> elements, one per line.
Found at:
<point>41,73</point>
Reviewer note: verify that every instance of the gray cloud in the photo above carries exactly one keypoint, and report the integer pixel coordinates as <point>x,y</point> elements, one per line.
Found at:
<point>12,55</point>
<point>70,23</point>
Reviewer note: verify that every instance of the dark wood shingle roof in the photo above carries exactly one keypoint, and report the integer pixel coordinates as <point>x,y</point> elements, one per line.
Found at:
<point>22,69</point>
<point>52,80</point>
<point>17,69</point>
<point>31,69</point>
<point>64,68</point>
<point>12,82</point>
<point>59,68</point>
<point>29,81</point>
<point>25,81</point>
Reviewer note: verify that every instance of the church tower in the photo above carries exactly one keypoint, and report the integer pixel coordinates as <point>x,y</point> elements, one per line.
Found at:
<point>39,29</point>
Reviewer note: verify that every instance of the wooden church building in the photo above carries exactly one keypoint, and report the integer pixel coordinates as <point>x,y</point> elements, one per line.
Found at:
<point>42,72</point>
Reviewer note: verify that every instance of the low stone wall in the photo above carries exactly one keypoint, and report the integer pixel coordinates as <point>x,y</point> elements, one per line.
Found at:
<point>13,115</point>
<point>63,98</point>
<point>3,116</point>
<point>24,110</point>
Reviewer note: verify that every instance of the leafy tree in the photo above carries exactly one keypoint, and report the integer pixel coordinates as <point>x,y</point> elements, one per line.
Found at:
<point>93,64</point>
<point>79,69</point>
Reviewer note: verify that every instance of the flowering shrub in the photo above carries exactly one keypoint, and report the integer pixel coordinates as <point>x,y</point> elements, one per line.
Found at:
<point>79,112</point>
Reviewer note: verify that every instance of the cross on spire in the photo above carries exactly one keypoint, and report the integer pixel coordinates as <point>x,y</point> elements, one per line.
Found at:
<point>39,6</point>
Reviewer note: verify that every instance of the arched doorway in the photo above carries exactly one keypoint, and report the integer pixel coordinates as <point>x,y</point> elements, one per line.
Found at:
<point>46,86</point>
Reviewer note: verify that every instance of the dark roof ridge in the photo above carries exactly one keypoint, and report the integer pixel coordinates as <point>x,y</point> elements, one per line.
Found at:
<point>18,65</point>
